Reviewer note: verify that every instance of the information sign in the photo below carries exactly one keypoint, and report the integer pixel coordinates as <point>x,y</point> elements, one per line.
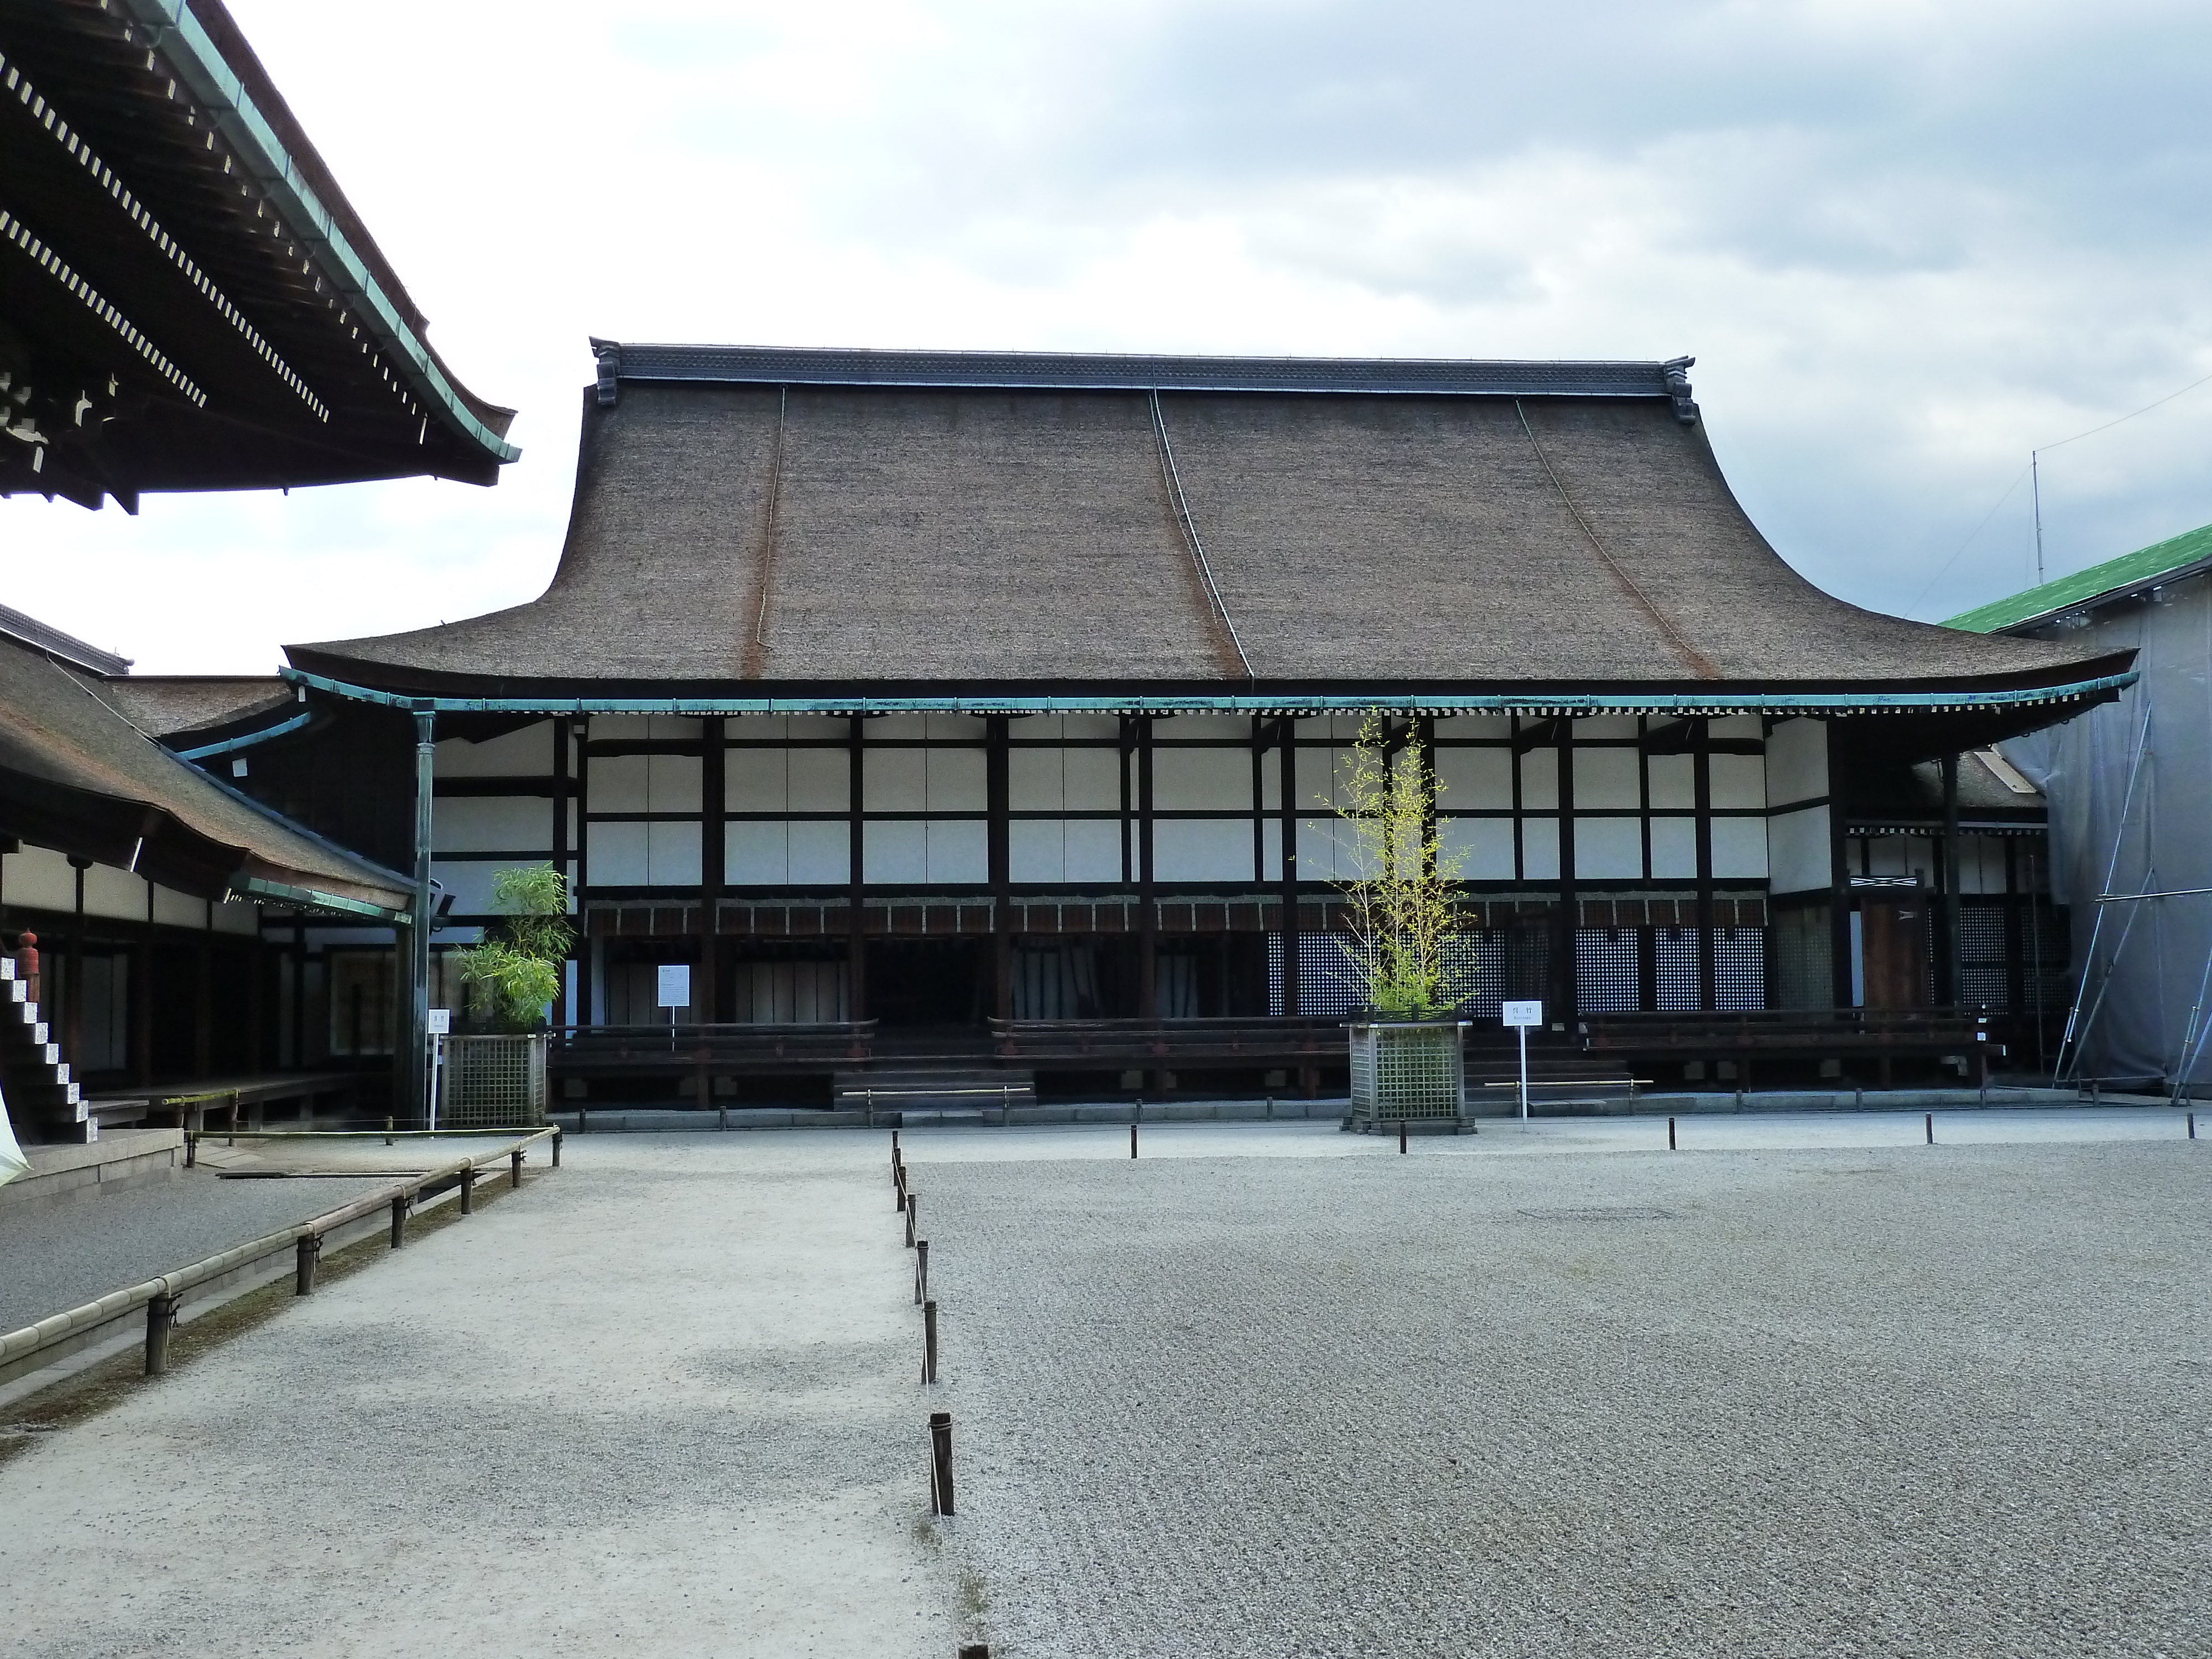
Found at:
<point>675,985</point>
<point>1520,1014</point>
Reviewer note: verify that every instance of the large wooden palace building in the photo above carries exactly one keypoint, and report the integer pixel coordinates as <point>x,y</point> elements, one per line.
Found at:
<point>1006,693</point>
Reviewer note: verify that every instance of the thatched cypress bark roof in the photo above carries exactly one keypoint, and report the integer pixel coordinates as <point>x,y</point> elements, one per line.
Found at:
<point>811,519</point>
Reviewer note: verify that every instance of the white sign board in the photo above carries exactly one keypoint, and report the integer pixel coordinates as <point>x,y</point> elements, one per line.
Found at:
<point>441,1022</point>
<point>675,983</point>
<point>1520,1014</point>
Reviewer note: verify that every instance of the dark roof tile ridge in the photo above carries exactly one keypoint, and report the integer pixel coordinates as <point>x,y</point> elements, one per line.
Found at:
<point>46,638</point>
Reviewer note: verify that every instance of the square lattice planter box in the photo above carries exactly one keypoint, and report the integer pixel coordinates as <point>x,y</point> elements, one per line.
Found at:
<point>1409,1071</point>
<point>493,1082</point>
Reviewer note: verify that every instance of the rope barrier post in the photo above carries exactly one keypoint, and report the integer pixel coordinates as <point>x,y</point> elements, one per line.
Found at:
<point>921,1270</point>
<point>895,1150</point>
<point>468,1190</point>
<point>234,1117</point>
<point>398,1221</point>
<point>940,1462</point>
<point>306,1254</point>
<point>515,1167</point>
<point>912,1204</point>
<point>898,1187</point>
<point>1132,1140</point>
<point>1931,1128</point>
<point>161,1315</point>
<point>2192,1126</point>
<point>557,1148</point>
<point>1401,1135</point>
<point>928,1342</point>
<point>191,1148</point>
<point>387,1130</point>
<point>1670,1135</point>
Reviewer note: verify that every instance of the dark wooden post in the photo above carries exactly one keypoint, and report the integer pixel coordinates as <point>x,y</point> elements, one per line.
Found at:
<point>999,853</point>
<point>1701,763</point>
<point>203,997</point>
<point>306,1255</point>
<point>160,1316</point>
<point>1839,906</point>
<point>72,1030</point>
<point>705,994</point>
<point>1950,973</point>
<point>564,1010</point>
<point>515,1167</point>
<point>581,886</point>
<point>468,1190</point>
<point>142,998</point>
<point>856,915</point>
<point>940,1462</point>
<point>1148,910</point>
<point>1290,805</point>
<point>410,1036</point>
<point>1567,996</point>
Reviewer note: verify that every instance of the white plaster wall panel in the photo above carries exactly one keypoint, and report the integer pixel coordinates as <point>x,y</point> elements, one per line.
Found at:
<point>671,855</point>
<point>672,783</point>
<point>620,728</point>
<point>1233,728</point>
<point>1740,850</point>
<point>1036,728</point>
<point>1202,849</point>
<point>755,854</point>
<point>525,754</point>
<point>109,891</point>
<point>1091,780</point>
<point>1320,789</point>
<point>1271,780</point>
<point>821,853</point>
<point>1271,850</point>
<point>40,878</point>
<point>756,781</point>
<point>617,783</point>
<point>1737,728</point>
<point>491,823</point>
<point>171,907</point>
<point>1609,849</point>
<point>1091,849</point>
<point>1474,777</point>
<point>1797,762</point>
<point>1484,846</point>
<point>1317,848</point>
<point>817,728</point>
<point>958,779</point>
<point>469,883</point>
<point>1033,781</point>
<point>1608,778</point>
<point>1497,727</point>
<point>1739,779</point>
<point>1797,850</point>
<point>894,781</point>
<point>1674,849</point>
<point>958,728</point>
<point>1981,864</point>
<point>1107,727</point>
<point>1540,849</point>
<point>1201,780</point>
<point>895,854</point>
<point>1034,850</point>
<point>895,725</point>
<point>755,728</point>
<point>1540,781</point>
<point>238,916</point>
<point>673,728</point>
<point>1674,781</point>
<point>615,856</point>
<point>959,851</point>
<point>820,780</point>
<point>1606,726</point>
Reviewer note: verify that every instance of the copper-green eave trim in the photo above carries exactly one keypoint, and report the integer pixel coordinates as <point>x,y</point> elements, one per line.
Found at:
<point>178,35</point>
<point>255,887</point>
<point>1532,703</point>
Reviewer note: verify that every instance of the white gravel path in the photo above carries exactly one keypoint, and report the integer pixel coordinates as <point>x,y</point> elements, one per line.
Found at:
<point>1871,1399</point>
<point>663,1402</point>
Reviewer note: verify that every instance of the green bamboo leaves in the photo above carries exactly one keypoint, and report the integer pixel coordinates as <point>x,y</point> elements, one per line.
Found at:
<point>516,971</point>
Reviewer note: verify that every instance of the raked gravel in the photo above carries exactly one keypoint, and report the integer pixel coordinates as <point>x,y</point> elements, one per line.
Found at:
<point>1900,1400</point>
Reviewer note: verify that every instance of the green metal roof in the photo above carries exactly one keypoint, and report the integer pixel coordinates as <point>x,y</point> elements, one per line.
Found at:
<point>2098,582</point>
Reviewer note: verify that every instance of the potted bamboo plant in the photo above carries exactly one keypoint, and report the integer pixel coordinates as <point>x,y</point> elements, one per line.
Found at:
<point>1400,902</point>
<point>495,1075</point>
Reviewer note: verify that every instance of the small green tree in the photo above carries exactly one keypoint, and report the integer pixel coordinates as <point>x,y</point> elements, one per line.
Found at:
<point>1400,883</point>
<point>516,971</point>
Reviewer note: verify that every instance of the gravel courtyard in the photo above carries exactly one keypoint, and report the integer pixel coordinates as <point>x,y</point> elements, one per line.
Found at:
<point>1900,1401</point>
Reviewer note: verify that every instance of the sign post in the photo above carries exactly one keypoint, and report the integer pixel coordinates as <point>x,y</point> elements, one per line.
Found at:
<point>673,985</point>
<point>1520,1016</point>
<point>437,1026</point>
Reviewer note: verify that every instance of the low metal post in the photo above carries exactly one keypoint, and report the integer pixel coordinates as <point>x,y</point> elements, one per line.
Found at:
<point>468,1190</point>
<point>1931,1128</point>
<point>895,1151</point>
<point>191,1148</point>
<point>1401,1135</point>
<point>898,1187</point>
<point>1005,1102</point>
<point>306,1256</point>
<point>1271,1108</point>
<point>929,1342</point>
<point>515,1167</point>
<point>161,1315</point>
<point>921,1270</point>
<point>2192,1126</point>
<point>940,1462</point>
<point>556,1149</point>
<point>1132,1140</point>
<point>1670,1135</point>
<point>387,1132</point>
<point>398,1221</point>
<point>912,1204</point>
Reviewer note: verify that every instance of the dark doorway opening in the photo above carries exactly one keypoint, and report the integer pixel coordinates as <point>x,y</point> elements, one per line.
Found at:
<point>929,981</point>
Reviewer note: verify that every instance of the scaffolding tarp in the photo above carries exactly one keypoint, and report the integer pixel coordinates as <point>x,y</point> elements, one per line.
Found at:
<point>2130,785</point>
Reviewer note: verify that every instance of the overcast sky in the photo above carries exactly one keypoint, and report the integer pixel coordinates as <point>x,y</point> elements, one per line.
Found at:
<point>1906,243</point>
